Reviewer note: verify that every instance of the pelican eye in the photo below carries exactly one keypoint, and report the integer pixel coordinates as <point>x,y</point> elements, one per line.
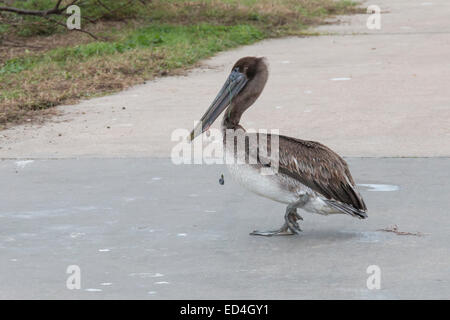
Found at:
<point>234,74</point>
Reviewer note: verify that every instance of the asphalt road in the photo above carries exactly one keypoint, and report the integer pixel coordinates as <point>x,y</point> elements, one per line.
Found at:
<point>148,229</point>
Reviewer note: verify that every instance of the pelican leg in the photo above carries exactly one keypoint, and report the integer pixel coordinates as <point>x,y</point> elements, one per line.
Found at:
<point>291,218</point>
<point>290,226</point>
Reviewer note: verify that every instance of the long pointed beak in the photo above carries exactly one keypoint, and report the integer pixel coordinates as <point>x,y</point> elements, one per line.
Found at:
<point>234,84</point>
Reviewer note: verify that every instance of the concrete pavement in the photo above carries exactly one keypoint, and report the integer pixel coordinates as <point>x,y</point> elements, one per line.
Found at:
<point>374,93</point>
<point>147,229</point>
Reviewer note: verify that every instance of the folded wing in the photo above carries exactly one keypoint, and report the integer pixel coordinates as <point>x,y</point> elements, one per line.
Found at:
<point>321,169</point>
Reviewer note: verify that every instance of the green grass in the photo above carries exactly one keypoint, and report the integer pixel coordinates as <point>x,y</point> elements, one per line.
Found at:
<point>189,42</point>
<point>162,37</point>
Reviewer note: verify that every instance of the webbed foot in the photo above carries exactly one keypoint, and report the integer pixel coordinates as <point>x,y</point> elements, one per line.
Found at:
<point>283,231</point>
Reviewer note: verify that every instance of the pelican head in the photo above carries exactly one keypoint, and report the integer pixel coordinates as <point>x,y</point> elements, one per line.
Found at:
<point>242,87</point>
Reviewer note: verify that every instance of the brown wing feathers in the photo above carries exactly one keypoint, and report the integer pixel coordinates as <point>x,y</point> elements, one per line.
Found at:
<point>319,168</point>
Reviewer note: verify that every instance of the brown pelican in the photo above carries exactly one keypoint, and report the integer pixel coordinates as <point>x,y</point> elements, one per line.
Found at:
<point>309,175</point>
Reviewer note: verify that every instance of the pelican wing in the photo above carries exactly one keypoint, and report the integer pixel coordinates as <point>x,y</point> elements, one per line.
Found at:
<point>322,170</point>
